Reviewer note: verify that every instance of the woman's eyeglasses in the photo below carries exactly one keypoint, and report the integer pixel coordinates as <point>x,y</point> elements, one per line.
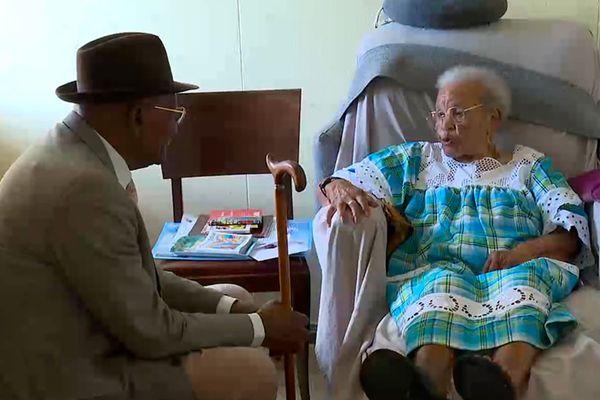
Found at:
<point>458,115</point>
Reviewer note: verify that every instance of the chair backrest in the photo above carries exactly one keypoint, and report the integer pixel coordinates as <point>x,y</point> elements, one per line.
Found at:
<point>230,133</point>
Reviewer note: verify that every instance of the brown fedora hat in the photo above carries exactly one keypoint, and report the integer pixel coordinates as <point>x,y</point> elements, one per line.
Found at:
<point>121,67</point>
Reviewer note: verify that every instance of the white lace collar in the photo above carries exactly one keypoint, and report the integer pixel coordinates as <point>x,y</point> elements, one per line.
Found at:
<point>438,169</point>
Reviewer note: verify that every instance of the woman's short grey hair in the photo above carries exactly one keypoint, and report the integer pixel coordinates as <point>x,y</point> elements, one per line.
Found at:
<point>498,95</point>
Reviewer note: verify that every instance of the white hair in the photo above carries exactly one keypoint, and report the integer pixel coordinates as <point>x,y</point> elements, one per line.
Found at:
<point>498,95</point>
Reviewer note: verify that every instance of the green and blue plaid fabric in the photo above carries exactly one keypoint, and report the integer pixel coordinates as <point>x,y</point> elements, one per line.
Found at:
<point>437,292</point>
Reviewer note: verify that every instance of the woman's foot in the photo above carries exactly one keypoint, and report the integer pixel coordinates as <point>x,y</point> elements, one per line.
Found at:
<point>387,375</point>
<point>479,378</point>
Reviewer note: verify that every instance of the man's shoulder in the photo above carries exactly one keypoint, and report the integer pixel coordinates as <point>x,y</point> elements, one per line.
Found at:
<point>56,164</point>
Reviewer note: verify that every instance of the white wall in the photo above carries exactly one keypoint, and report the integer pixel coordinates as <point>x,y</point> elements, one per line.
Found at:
<point>218,44</point>
<point>221,45</point>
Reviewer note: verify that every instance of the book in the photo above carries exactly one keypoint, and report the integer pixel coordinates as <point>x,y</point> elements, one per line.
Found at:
<point>214,242</point>
<point>249,216</point>
<point>239,229</point>
<point>202,227</point>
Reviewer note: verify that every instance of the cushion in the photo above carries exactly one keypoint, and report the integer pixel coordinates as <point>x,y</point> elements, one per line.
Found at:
<point>445,14</point>
<point>587,185</point>
<point>565,50</point>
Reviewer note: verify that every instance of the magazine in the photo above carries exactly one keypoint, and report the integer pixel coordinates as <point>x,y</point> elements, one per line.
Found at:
<point>213,243</point>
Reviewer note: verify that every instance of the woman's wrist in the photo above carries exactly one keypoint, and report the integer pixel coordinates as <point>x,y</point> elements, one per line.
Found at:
<point>529,250</point>
<point>324,183</point>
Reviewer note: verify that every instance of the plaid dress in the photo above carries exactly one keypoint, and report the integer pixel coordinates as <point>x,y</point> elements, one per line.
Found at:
<point>461,212</point>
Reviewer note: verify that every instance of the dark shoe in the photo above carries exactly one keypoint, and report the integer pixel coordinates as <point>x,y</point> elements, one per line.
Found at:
<point>479,378</point>
<point>387,375</point>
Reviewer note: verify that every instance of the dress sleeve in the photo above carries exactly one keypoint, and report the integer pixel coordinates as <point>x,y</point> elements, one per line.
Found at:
<point>560,206</point>
<point>386,173</point>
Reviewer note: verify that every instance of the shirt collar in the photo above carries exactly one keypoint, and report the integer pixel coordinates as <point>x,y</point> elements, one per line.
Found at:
<point>121,169</point>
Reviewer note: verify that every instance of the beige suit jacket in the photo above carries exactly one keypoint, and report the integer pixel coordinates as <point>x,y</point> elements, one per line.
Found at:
<point>84,312</point>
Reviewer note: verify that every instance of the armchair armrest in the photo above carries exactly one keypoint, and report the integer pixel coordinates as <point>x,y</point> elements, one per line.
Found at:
<point>587,186</point>
<point>326,147</point>
<point>591,275</point>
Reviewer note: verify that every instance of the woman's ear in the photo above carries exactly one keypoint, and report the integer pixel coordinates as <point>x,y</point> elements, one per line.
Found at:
<point>136,120</point>
<point>496,117</point>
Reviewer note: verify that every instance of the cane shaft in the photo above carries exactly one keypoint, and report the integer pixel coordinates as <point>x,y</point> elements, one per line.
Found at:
<point>282,247</point>
<point>290,377</point>
<point>280,170</point>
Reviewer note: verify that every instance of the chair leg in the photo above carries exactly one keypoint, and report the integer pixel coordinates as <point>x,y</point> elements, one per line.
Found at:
<point>301,303</point>
<point>302,372</point>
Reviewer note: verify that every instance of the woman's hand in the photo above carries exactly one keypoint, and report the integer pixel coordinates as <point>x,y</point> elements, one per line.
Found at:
<point>560,245</point>
<point>504,259</point>
<point>349,201</point>
<point>399,228</point>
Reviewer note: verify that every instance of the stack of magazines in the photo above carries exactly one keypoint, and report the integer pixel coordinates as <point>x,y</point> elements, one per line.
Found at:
<point>217,237</point>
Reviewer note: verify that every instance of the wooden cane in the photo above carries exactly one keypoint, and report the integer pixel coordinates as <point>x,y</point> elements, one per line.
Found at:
<point>279,171</point>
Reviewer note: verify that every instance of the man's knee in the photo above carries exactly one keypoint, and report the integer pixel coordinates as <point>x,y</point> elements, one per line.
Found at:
<point>232,373</point>
<point>234,291</point>
<point>262,379</point>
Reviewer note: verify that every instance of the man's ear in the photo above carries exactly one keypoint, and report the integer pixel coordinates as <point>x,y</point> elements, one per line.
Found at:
<point>136,119</point>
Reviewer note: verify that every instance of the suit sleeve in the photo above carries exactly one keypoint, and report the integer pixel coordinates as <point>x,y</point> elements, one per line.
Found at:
<point>185,295</point>
<point>95,235</point>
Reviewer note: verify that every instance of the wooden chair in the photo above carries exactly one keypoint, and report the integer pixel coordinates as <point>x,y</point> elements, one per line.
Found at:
<point>230,133</point>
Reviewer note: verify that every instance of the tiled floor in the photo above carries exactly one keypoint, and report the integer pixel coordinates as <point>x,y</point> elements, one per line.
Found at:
<point>317,383</point>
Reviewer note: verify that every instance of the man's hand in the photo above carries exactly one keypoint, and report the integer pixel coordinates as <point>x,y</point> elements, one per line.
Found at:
<point>504,259</point>
<point>242,307</point>
<point>351,202</point>
<point>285,330</point>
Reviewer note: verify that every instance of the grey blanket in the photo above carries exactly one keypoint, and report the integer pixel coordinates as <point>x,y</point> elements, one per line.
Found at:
<point>537,98</point>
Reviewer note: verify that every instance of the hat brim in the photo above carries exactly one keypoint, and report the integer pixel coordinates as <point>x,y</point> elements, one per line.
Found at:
<point>68,92</point>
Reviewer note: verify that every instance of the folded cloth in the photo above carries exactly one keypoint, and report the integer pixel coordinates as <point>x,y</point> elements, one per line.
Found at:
<point>587,185</point>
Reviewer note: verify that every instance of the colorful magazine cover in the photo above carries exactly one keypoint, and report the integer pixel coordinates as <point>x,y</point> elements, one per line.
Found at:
<point>214,242</point>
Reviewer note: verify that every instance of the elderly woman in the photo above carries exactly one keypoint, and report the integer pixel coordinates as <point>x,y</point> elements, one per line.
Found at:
<point>475,291</point>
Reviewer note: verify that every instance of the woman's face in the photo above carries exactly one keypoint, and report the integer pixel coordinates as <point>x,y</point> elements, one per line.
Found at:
<point>465,136</point>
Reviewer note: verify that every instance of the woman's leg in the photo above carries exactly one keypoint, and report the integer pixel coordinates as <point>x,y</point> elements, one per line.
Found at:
<point>436,361</point>
<point>516,359</point>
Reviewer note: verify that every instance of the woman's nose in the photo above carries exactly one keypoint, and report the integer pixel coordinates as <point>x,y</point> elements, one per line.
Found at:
<point>448,123</point>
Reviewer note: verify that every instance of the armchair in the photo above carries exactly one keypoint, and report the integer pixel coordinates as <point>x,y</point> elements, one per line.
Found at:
<point>383,110</point>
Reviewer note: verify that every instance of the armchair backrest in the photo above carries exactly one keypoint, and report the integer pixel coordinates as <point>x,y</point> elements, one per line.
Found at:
<point>387,113</point>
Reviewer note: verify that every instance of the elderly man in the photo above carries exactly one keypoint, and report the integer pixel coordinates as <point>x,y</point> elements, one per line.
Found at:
<point>484,247</point>
<point>85,313</point>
